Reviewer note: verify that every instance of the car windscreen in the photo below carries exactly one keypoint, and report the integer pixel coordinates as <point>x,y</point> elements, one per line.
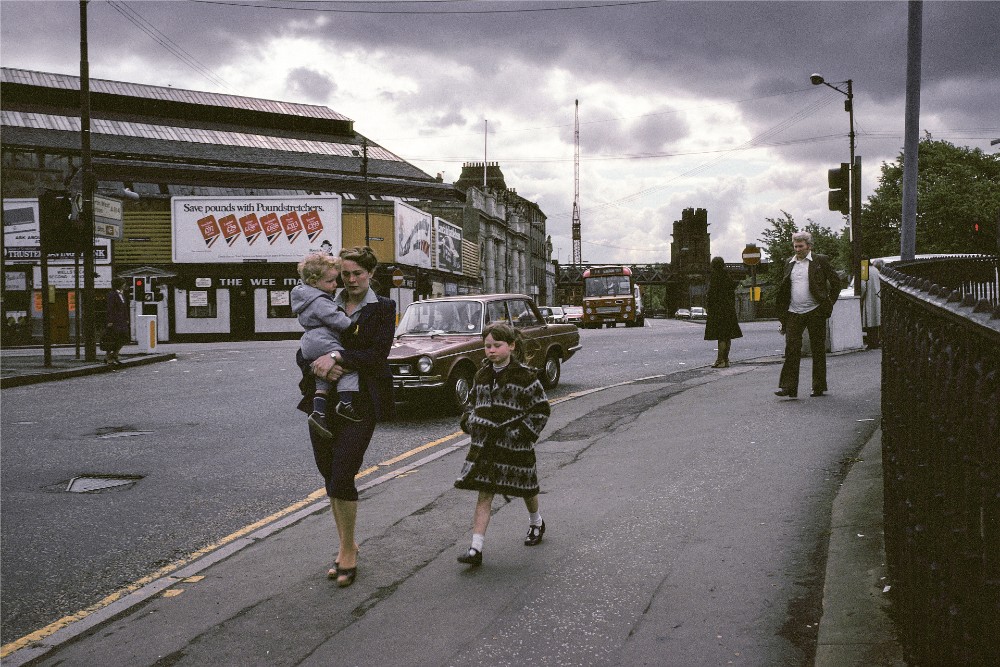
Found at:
<point>437,317</point>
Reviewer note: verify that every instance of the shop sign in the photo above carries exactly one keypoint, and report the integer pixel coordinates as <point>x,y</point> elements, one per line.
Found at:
<point>21,238</point>
<point>209,230</point>
<point>61,277</point>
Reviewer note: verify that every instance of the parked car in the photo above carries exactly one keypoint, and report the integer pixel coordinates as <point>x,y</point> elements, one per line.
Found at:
<point>574,314</point>
<point>682,314</point>
<point>553,314</point>
<point>698,313</point>
<point>439,346</point>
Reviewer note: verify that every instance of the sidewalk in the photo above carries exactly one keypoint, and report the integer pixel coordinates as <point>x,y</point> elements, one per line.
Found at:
<point>675,538</point>
<point>26,365</point>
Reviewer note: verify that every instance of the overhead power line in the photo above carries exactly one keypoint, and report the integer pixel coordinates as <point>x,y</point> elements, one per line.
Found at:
<point>340,9</point>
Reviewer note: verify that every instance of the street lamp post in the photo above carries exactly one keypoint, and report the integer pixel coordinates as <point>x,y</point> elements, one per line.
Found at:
<point>855,170</point>
<point>364,173</point>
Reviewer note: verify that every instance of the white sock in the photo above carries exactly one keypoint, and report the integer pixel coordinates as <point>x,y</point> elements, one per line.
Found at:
<point>477,541</point>
<point>535,518</point>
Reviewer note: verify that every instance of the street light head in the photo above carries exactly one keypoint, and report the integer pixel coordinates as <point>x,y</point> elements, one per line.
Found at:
<point>817,79</point>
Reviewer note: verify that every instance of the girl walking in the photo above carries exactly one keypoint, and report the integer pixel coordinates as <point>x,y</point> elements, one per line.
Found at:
<point>509,411</point>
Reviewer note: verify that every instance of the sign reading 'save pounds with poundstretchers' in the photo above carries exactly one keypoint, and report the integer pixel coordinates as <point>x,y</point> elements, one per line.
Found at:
<point>209,230</point>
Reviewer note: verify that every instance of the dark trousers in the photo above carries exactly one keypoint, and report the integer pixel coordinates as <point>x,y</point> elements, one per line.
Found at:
<point>339,458</point>
<point>795,324</point>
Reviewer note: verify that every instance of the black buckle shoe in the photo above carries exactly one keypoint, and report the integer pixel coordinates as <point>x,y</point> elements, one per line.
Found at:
<point>317,423</point>
<point>534,535</point>
<point>472,557</point>
<point>347,411</point>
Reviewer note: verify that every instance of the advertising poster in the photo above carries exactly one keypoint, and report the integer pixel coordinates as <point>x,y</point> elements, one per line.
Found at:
<point>209,230</point>
<point>21,238</point>
<point>449,246</point>
<point>413,236</point>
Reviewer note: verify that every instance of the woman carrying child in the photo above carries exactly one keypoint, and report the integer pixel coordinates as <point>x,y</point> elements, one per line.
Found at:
<point>509,411</point>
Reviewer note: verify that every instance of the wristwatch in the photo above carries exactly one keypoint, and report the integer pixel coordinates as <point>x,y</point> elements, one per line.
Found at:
<point>336,356</point>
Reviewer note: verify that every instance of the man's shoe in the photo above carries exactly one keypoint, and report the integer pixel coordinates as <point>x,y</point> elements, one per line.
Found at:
<point>472,557</point>
<point>534,535</point>
<point>816,393</point>
<point>790,393</point>
<point>347,411</point>
<point>317,424</point>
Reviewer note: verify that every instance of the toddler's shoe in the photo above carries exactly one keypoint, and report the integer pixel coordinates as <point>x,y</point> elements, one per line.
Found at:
<point>347,411</point>
<point>317,424</point>
<point>472,557</point>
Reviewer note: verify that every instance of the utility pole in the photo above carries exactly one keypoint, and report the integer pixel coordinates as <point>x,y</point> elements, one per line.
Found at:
<point>87,213</point>
<point>364,174</point>
<point>577,250</point>
<point>911,132</point>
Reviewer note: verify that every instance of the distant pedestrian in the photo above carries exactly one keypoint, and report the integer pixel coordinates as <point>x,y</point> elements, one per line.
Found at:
<point>720,302</point>
<point>116,331</point>
<point>509,411</point>
<point>339,457</point>
<point>871,305</point>
<point>325,324</point>
<point>809,288</point>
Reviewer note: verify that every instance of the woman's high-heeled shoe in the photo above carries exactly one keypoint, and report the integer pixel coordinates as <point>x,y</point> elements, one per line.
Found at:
<point>345,576</point>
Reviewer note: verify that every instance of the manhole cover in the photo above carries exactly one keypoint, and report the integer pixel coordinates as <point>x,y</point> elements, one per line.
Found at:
<point>92,483</point>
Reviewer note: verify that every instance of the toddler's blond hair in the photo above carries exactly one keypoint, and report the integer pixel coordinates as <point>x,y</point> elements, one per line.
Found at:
<point>315,264</point>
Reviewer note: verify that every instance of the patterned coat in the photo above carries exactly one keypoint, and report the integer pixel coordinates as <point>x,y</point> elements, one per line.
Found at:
<point>509,412</point>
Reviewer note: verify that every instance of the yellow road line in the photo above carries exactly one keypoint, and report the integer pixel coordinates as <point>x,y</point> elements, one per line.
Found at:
<point>52,628</point>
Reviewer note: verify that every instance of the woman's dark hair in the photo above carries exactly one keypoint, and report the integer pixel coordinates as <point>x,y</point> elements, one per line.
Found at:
<point>718,264</point>
<point>505,333</point>
<point>118,283</point>
<point>362,255</point>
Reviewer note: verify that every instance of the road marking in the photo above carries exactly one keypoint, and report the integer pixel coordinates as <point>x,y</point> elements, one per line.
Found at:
<point>160,579</point>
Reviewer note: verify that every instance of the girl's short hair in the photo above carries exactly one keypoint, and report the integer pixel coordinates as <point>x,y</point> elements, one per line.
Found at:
<point>505,333</point>
<point>315,264</point>
<point>362,255</point>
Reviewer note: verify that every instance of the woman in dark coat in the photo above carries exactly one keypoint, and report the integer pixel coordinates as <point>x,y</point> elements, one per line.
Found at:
<point>722,324</point>
<point>116,333</point>
<point>339,458</point>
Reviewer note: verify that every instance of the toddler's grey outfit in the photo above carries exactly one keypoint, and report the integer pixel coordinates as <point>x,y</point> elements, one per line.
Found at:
<point>324,322</point>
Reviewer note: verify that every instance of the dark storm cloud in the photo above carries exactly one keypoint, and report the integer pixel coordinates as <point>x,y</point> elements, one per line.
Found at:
<point>307,85</point>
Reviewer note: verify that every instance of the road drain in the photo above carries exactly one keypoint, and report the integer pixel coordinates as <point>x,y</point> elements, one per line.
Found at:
<point>96,483</point>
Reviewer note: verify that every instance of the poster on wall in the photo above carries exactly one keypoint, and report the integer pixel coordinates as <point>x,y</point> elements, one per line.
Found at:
<point>22,240</point>
<point>449,246</point>
<point>413,236</point>
<point>210,230</point>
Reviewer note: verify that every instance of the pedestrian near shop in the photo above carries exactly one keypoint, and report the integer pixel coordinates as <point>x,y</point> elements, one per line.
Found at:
<point>509,411</point>
<point>722,324</point>
<point>116,331</point>
<point>339,457</point>
<point>805,298</point>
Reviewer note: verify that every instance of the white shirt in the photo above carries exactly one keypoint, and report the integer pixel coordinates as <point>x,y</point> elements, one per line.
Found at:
<point>802,298</point>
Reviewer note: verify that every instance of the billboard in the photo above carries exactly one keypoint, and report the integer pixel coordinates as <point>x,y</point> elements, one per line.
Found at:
<point>22,240</point>
<point>413,236</point>
<point>209,230</point>
<point>449,246</point>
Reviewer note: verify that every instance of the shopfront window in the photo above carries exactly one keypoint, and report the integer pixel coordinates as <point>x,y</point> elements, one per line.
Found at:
<point>279,304</point>
<point>201,304</point>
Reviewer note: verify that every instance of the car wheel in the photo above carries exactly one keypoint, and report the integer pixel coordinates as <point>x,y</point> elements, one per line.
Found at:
<point>459,389</point>
<point>551,371</point>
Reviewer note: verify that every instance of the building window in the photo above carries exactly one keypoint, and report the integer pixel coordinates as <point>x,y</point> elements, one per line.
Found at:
<point>201,304</point>
<point>279,304</point>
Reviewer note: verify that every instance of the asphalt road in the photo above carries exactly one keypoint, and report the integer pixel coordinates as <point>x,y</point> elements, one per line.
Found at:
<point>216,445</point>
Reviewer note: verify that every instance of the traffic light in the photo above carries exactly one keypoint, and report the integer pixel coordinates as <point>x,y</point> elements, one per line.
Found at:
<point>839,180</point>
<point>59,231</point>
<point>138,289</point>
<point>154,290</point>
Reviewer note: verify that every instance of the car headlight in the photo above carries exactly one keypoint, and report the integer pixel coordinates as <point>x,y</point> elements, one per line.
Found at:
<point>425,364</point>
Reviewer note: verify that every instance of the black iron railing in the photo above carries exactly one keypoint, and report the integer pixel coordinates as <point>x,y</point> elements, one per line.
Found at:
<point>941,457</point>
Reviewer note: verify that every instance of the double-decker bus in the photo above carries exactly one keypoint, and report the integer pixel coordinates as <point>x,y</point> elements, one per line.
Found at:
<point>610,296</point>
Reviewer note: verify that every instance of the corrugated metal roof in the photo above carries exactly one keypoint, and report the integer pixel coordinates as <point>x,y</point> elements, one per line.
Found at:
<point>68,82</point>
<point>121,128</point>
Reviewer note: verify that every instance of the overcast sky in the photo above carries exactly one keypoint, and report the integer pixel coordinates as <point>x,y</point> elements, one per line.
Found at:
<point>682,104</point>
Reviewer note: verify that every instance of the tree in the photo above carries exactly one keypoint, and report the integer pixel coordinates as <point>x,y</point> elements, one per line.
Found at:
<point>958,202</point>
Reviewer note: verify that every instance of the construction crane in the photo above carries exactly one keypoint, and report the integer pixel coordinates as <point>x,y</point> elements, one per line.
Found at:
<point>577,251</point>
